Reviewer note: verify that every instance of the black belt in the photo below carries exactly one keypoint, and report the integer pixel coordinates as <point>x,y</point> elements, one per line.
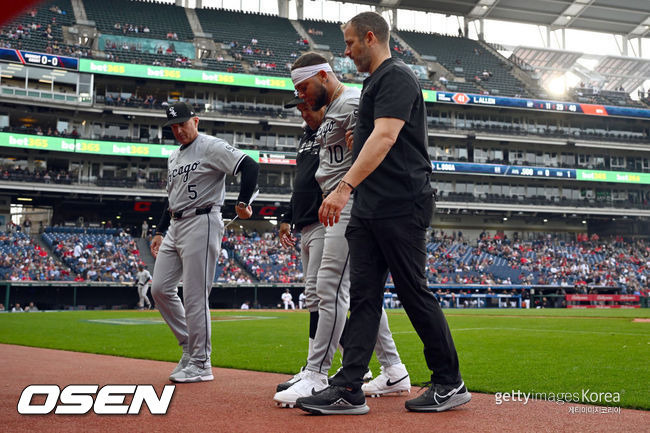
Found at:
<point>190,212</point>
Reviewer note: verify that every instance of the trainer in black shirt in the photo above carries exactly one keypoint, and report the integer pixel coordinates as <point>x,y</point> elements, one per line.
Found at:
<point>393,206</point>
<point>401,182</point>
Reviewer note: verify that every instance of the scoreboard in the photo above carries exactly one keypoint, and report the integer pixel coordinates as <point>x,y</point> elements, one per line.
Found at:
<point>503,170</point>
<point>541,105</point>
<point>540,172</point>
<point>39,59</point>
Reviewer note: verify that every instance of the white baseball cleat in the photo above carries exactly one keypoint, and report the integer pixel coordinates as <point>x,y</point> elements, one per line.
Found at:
<point>393,379</point>
<point>192,373</point>
<point>296,377</point>
<point>310,383</point>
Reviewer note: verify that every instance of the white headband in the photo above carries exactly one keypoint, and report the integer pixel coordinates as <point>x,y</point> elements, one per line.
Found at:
<point>299,75</point>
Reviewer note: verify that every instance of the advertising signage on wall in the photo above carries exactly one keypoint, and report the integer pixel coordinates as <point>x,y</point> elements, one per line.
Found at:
<point>199,76</point>
<point>277,158</point>
<point>284,83</point>
<point>97,147</point>
<point>183,74</point>
<point>613,176</point>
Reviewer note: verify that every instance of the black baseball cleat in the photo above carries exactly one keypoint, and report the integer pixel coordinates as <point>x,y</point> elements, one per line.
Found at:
<point>334,400</point>
<point>438,398</point>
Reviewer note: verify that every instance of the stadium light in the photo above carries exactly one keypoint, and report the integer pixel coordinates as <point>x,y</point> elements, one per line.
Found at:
<point>557,86</point>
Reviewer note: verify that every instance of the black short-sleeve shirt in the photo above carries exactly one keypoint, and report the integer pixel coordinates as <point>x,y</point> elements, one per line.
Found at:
<point>401,182</point>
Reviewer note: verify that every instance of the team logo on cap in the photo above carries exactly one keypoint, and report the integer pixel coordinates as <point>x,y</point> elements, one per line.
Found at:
<point>172,112</point>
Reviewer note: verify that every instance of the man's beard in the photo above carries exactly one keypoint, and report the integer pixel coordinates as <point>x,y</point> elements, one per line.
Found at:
<point>321,99</point>
<point>362,62</point>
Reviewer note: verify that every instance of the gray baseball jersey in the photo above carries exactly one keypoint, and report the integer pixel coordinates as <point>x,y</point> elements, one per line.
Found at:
<point>143,277</point>
<point>189,251</point>
<point>335,158</point>
<point>197,173</point>
<point>333,281</point>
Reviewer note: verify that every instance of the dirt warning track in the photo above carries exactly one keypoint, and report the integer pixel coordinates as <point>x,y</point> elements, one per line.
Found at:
<point>241,401</point>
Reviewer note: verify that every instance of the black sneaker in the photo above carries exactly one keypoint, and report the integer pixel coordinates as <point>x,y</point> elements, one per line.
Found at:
<point>438,398</point>
<point>334,400</point>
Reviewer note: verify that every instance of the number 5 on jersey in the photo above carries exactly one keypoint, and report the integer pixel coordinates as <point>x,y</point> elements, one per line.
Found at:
<point>191,189</point>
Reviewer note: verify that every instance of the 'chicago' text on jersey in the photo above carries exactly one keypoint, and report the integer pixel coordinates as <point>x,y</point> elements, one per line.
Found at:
<point>323,130</point>
<point>184,170</point>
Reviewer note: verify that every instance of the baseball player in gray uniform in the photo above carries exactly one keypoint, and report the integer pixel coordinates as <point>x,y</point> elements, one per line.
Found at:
<point>196,190</point>
<point>143,278</point>
<point>318,87</point>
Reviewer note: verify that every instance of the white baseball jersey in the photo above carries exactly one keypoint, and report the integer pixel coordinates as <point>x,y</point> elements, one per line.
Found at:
<point>335,158</point>
<point>197,173</point>
<point>143,277</point>
<point>286,297</point>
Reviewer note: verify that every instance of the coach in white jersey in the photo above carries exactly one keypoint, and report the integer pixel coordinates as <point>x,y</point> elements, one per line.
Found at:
<point>192,219</point>
<point>318,86</point>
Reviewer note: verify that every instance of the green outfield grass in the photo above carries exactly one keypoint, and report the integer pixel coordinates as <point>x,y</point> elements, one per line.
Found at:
<point>545,351</point>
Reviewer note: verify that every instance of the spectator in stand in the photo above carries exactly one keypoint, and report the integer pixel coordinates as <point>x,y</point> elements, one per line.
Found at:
<point>27,226</point>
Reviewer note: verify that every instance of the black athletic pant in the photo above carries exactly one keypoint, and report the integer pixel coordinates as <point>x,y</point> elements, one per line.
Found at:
<point>399,245</point>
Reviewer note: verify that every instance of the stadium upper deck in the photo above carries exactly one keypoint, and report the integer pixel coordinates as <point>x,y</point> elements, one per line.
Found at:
<point>491,153</point>
<point>138,32</point>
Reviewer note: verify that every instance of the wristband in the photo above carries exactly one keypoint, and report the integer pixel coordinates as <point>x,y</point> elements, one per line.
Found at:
<point>348,184</point>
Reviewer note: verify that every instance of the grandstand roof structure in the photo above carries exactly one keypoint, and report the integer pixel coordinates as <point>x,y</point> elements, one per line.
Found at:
<point>614,71</point>
<point>548,62</point>
<point>624,17</point>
